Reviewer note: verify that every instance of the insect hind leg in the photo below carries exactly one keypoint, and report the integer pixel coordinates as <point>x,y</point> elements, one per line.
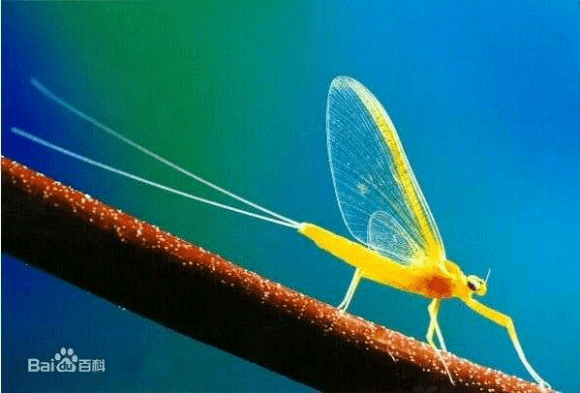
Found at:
<point>351,289</point>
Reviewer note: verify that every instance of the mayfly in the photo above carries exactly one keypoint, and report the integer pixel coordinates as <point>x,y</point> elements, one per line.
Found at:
<point>397,242</point>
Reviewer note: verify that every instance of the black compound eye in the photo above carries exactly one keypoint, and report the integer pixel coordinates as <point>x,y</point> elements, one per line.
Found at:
<point>471,285</point>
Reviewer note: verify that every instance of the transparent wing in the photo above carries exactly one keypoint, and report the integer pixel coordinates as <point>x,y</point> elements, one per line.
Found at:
<point>371,174</point>
<point>387,236</point>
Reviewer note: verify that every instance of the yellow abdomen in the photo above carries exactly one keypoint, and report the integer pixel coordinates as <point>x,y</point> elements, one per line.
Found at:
<point>374,266</point>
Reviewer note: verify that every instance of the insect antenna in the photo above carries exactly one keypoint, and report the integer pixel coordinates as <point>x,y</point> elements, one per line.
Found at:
<point>487,277</point>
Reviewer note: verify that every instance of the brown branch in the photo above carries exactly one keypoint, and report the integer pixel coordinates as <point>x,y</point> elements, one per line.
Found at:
<point>199,294</point>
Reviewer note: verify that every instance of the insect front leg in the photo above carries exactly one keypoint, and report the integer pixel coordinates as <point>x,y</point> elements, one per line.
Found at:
<point>434,324</point>
<point>350,292</point>
<point>508,324</point>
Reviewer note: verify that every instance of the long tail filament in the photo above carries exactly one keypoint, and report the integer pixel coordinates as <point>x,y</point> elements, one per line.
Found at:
<point>275,218</point>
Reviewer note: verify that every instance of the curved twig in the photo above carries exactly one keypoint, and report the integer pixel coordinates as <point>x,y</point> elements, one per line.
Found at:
<point>200,294</point>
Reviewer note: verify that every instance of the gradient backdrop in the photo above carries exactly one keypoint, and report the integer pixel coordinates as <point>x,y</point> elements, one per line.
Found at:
<point>485,96</point>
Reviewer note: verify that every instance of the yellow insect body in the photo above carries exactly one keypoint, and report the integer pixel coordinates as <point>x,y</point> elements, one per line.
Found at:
<point>384,209</point>
<point>423,279</point>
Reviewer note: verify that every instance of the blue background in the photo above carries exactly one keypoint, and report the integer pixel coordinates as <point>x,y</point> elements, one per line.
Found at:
<point>484,96</point>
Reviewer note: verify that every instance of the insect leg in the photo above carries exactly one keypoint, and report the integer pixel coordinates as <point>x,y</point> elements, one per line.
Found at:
<point>350,292</point>
<point>508,324</point>
<point>434,325</point>
<point>432,321</point>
